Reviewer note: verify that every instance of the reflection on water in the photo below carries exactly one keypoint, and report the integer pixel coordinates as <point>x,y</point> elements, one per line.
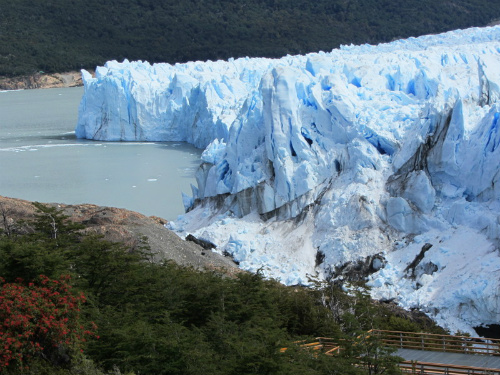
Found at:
<point>40,159</point>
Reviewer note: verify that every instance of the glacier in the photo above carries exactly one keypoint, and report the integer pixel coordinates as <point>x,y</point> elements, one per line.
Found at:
<point>384,154</point>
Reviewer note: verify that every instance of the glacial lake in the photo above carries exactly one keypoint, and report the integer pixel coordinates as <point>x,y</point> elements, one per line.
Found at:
<point>41,159</point>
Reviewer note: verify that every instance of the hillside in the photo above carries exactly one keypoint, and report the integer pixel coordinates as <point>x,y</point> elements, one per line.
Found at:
<point>74,303</point>
<point>62,35</point>
<point>120,225</point>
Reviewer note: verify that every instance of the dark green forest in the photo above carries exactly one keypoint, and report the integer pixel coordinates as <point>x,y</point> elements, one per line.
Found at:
<point>61,35</point>
<point>72,303</point>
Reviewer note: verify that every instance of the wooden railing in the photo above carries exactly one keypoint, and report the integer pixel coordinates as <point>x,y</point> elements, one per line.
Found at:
<point>325,344</point>
<point>423,341</point>
<point>439,343</point>
<point>425,368</point>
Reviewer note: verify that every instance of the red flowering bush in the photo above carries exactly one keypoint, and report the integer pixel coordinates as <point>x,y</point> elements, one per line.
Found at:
<point>37,319</point>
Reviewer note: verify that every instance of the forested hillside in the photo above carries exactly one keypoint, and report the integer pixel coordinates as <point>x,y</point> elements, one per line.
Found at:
<point>61,35</point>
<point>72,303</point>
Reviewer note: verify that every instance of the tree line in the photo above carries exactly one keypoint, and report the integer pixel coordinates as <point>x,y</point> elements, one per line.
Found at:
<point>62,35</point>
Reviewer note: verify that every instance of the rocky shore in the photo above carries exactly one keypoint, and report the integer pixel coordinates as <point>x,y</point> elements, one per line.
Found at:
<point>120,225</point>
<point>41,81</point>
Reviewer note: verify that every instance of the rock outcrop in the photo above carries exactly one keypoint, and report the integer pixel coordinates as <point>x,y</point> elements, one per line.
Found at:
<point>41,81</point>
<point>120,225</point>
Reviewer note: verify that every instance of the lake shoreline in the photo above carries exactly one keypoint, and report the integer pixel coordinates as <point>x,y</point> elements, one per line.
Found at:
<point>42,81</point>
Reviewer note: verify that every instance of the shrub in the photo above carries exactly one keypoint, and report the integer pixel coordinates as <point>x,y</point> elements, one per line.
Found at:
<point>40,319</point>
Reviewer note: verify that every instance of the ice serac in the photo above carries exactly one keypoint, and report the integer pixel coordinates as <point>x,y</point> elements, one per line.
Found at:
<point>313,163</point>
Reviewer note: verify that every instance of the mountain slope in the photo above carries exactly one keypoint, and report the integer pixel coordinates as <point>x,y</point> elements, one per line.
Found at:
<point>63,35</point>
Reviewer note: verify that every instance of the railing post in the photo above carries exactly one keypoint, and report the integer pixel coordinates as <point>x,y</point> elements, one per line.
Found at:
<point>422,340</point>
<point>444,343</point>
<point>401,340</point>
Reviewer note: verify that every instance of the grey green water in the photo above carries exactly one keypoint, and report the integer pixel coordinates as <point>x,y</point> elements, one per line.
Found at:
<point>41,160</point>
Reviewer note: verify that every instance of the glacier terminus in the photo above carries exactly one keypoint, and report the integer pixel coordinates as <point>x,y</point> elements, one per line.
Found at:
<point>386,155</point>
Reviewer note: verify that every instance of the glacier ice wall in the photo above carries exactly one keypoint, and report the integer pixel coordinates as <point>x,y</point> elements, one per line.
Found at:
<point>314,162</point>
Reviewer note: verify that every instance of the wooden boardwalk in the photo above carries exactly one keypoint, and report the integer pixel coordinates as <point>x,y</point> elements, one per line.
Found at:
<point>457,359</point>
<point>429,354</point>
<point>433,354</point>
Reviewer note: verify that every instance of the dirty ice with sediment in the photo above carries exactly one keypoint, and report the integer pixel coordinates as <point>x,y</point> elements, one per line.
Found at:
<point>386,155</point>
